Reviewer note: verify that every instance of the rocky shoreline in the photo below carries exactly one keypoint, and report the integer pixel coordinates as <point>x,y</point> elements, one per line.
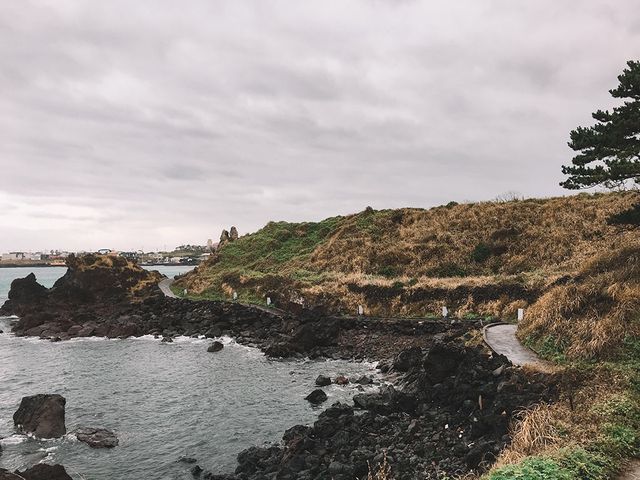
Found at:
<point>449,413</point>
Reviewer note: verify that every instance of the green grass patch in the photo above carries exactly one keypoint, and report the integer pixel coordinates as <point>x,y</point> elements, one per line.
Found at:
<point>274,245</point>
<point>548,347</point>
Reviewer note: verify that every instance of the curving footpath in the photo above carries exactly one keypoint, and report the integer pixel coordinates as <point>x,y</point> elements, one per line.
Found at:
<point>165,286</point>
<point>501,338</point>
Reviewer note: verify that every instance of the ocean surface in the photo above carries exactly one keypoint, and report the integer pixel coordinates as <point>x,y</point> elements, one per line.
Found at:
<point>162,400</point>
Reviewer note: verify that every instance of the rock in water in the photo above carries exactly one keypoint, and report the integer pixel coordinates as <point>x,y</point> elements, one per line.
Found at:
<point>364,380</point>
<point>316,397</point>
<point>341,380</point>
<point>215,347</point>
<point>323,381</point>
<point>97,437</point>
<point>41,471</point>
<point>42,415</point>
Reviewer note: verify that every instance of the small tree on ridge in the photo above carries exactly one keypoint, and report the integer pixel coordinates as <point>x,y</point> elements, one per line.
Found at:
<point>609,151</point>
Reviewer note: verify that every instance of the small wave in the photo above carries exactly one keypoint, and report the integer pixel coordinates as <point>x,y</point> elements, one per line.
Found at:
<point>87,339</point>
<point>13,440</point>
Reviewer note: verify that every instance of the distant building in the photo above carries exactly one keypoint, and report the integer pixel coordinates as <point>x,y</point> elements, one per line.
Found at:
<point>13,256</point>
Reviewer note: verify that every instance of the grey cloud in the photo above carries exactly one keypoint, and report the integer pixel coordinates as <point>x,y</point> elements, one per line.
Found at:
<point>151,123</point>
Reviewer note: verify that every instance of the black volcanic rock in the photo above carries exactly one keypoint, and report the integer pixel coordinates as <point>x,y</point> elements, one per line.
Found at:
<point>97,437</point>
<point>323,381</point>
<point>41,415</point>
<point>24,292</point>
<point>42,471</point>
<point>316,397</point>
<point>407,359</point>
<point>215,347</point>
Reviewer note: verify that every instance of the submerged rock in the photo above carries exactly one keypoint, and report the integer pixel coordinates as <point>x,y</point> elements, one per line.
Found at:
<point>41,415</point>
<point>215,347</point>
<point>323,381</point>
<point>316,397</point>
<point>97,437</point>
<point>185,459</point>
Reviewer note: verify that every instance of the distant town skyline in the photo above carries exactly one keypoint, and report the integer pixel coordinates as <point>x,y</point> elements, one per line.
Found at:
<point>140,125</point>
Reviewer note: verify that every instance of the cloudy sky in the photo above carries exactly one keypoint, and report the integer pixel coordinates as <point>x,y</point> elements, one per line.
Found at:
<point>151,123</point>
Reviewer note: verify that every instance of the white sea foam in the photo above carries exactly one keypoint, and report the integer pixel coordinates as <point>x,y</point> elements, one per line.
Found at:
<point>13,440</point>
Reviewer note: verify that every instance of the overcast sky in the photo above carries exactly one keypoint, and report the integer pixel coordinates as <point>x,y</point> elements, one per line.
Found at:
<point>145,124</point>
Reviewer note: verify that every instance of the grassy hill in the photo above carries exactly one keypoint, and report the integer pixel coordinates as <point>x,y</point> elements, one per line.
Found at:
<point>487,258</point>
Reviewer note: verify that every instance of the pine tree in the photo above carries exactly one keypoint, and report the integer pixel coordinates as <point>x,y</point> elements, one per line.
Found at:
<point>609,151</point>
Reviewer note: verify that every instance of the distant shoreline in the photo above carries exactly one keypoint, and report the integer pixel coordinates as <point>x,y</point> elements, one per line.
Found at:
<point>24,265</point>
<point>40,265</point>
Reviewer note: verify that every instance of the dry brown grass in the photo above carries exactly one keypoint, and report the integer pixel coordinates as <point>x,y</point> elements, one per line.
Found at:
<point>531,243</point>
<point>533,433</point>
<point>550,234</point>
<point>576,419</point>
<point>594,313</point>
<point>381,472</point>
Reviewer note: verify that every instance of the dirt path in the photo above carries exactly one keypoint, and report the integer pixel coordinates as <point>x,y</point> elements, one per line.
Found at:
<point>502,339</point>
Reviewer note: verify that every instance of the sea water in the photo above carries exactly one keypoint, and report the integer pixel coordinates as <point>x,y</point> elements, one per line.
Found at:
<point>163,401</point>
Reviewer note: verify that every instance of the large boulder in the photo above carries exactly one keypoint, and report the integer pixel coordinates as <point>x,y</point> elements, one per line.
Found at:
<point>24,291</point>
<point>442,361</point>
<point>42,471</point>
<point>42,415</point>
<point>408,359</point>
<point>316,397</point>
<point>97,437</point>
<point>323,381</point>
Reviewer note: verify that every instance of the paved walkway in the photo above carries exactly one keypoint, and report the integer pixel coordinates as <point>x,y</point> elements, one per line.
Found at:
<point>165,286</point>
<point>502,339</point>
<point>633,472</point>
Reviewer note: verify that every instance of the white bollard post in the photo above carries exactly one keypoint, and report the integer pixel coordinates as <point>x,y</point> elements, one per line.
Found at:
<point>268,301</point>
<point>445,312</point>
<point>235,295</point>
<point>360,310</point>
<point>520,314</point>
<point>184,292</point>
